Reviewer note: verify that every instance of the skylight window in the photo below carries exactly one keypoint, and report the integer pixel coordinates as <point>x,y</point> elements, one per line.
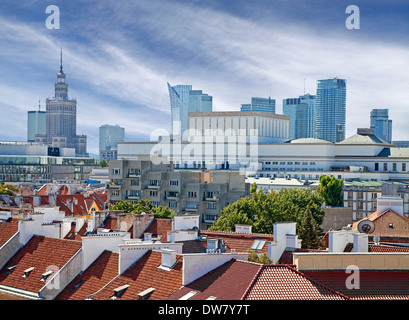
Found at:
<point>258,244</point>
<point>188,295</point>
<point>211,298</point>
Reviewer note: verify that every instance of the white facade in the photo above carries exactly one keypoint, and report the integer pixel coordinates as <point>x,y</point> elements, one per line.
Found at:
<point>265,126</point>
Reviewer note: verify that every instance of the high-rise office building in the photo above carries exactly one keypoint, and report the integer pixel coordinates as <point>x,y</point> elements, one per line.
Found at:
<point>36,124</point>
<point>61,119</point>
<point>301,111</point>
<point>260,104</point>
<point>381,124</point>
<point>184,100</point>
<point>109,136</point>
<point>330,109</point>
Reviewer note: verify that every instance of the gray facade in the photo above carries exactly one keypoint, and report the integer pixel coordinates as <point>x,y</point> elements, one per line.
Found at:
<point>184,191</point>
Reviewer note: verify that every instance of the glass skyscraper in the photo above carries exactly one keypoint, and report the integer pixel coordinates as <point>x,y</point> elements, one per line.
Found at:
<point>260,104</point>
<point>109,136</point>
<point>36,124</point>
<point>184,100</point>
<point>301,111</point>
<point>330,110</point>
<point>381,124</point>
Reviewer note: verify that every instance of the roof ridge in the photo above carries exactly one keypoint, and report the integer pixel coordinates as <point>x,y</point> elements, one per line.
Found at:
<point>252,282</point>
<point>317,283</point>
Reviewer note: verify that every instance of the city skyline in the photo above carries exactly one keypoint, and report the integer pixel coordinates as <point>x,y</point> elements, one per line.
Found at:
<point>119,58</point>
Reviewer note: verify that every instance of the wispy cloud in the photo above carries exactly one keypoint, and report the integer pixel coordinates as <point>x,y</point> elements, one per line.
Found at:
<point>118,62</point>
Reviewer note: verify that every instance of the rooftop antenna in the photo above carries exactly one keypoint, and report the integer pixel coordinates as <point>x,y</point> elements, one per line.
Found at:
<point>61,61</point>
<point>39,104</point>
<point>304,86</point>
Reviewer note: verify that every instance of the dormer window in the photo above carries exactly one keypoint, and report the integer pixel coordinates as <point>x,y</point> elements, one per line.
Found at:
<point>27,272</point>
<point>118,292</point>
<point>145,294</point>
<point>11,268</point>
<point>45,275</point>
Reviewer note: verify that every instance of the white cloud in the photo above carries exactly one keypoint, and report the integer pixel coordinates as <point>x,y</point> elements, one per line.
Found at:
<point>119,79</point>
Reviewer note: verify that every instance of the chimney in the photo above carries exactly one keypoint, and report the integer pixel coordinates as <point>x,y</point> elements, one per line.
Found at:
<point>168,258</point>
<point>390,202</point>
<point>360,242</point>
<point>243,228</point>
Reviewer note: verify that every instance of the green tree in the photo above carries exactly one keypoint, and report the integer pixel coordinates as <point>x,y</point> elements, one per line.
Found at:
<point>262,258</point>
<point>103,163</point>
<point>144,206</point>
<point>262,210</point>
<point>126,206</point>
<point>8,189</point>
<point>253,188</point>
<point>331,190</point>
<point>309,231</point>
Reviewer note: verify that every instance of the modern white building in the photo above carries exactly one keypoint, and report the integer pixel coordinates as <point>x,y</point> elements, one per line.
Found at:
<point>361,156</point>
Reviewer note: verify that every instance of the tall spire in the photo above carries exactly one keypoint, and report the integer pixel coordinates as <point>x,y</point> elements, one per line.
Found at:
<point>61,61</point>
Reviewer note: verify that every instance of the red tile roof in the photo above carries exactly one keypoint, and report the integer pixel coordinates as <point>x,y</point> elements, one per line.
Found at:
<point>145,274</point>
<point>283,282</point>
<point>160,227</point>
<point>97,275</point>
<point>287,256</point>
<point>227,282</point>
<point>7,230</point>
<point>72,235</point>
<point>41,253</point>
<point>373,285</point>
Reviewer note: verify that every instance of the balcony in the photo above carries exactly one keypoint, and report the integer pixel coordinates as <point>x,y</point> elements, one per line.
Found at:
<point>211,199</point>
<point>153,187</point>
<point>114,187</point>
<point>191,207</point>
<point>133,175</point>
<point>133,197</point>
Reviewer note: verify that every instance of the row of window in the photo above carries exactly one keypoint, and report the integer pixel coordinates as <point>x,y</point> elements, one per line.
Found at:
<point>386,167</point>
<point>296,163</point>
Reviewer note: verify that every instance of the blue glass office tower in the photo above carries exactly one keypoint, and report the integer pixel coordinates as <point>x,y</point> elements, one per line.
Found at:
<point>381,124</point>
<point>260,104</point>
<point>184,100</point>
<point>301,111</point>
<point>330,109</point>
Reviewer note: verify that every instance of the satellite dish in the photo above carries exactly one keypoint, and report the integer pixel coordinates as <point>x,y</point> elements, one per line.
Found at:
<point>376,239</point>
<point>366,226</point>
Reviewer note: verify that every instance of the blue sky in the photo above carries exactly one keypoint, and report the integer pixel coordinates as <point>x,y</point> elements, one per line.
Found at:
<point>119,55</point>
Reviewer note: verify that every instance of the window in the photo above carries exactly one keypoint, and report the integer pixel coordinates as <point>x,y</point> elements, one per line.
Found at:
<point>403,166</point>
<point>385,167</point>
<point>115,193</point>
<point>134,182</point>
<point>212,206</point>
<point>188,295</point>
<point>376,166</point>
<point>173,205</point>
<point>116,171</point>
<point>209,194</point>
<point>312,163</point>
<point>153,193</point>
<point>154,182</point>
<point>174,183</point>
<point>394,167</point>
<point>258,244</point>
<point>191,194</point>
